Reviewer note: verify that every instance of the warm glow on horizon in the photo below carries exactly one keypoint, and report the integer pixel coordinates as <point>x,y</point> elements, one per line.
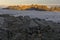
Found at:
<point>18,2</point>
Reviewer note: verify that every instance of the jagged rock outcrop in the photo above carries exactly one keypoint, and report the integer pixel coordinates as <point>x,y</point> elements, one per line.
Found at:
<point>26,28</point>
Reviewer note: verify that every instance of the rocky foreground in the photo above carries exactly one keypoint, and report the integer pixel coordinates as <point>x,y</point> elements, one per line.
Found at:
<point>26,28</point>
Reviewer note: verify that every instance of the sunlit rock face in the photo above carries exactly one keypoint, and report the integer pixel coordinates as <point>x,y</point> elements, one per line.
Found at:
<point>26,28</point>
<point>30,7</point>
<point>34,7</point>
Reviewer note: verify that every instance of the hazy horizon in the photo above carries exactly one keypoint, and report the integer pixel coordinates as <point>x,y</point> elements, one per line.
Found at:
<point>17,2</point>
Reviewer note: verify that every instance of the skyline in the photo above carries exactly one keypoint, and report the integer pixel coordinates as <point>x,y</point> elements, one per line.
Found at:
<point>17,2</point>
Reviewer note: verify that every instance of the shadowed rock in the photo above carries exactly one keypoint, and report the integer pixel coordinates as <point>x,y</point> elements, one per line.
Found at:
<point>26,28</point>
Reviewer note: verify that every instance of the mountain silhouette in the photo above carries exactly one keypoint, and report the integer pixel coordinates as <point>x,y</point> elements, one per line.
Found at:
<point>36,9</point>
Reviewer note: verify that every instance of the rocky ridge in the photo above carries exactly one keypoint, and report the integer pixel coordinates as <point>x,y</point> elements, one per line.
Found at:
<point>26,28</point>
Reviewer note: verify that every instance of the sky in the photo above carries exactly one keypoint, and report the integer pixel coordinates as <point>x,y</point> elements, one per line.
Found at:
<point>13,2</point>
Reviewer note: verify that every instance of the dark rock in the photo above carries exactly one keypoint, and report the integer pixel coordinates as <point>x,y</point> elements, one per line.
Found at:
<point>26,28</point>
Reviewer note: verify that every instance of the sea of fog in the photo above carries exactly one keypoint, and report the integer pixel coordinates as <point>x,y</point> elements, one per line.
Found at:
<point>53,16</point>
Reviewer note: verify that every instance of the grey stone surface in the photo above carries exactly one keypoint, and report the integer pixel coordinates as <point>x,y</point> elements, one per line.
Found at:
<point>26,28</point>
<point>1,21</point>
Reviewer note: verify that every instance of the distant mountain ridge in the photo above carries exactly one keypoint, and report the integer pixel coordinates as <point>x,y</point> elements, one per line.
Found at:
<point>33,7</point>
